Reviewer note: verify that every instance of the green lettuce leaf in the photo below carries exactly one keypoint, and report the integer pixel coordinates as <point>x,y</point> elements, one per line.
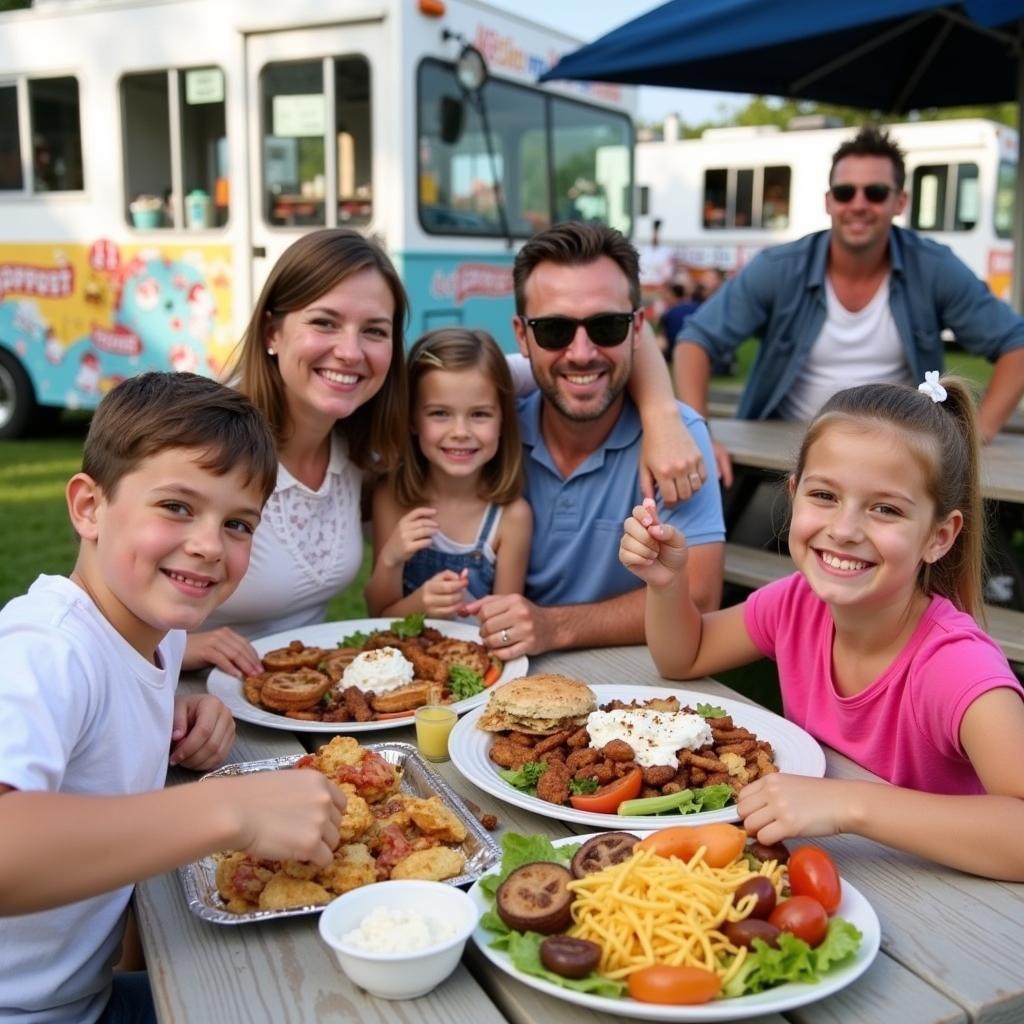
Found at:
<point>356,639</point>
<point>794,960</point>
<point>410,626</point>
<point>524,778</point>
<point>464,682</point>
<point>686,801</point>
<point>518,850</point>
<point>710,711</point>
<point>524,951</point>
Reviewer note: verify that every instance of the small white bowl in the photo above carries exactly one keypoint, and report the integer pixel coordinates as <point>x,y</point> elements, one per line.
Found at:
<point>399,975</point>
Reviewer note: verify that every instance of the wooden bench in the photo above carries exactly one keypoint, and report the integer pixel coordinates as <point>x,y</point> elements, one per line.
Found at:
<point>752,567</point>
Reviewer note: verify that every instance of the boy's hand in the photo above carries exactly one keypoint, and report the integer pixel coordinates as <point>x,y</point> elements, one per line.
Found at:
<point>444,593</point>
<point>224,649</point>
<point>414,531</point>
<point>202,733</point>
<point>653,551</point>
<point>777,807</point>
<point>287,815</point>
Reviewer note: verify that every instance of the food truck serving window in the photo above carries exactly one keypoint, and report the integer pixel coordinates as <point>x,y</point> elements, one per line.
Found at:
<point>54,162</point>
<point>315,119</point>
<point>175,148</point>
<point>585,174</point>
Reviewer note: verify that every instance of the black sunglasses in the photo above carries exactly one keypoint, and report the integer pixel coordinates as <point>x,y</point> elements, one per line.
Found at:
<point>877,192</point>
<point>605,329</point>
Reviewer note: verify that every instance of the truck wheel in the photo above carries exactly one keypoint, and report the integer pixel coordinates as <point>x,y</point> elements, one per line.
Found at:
<point>17,399</point>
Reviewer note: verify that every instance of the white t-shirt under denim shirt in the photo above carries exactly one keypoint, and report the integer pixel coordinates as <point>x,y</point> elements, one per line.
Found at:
<point>852,348</point>
<point>81,711</point>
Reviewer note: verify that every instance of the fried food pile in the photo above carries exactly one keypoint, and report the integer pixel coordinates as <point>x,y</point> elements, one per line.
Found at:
<point>384,834</point>
<point>305,683</point>
<point>734,757</point>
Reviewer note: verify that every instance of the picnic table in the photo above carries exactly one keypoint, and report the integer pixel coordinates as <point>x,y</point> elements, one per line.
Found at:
<point>950,942</point>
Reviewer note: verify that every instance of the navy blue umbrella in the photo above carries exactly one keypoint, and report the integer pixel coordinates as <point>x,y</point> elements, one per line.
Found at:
<point>887,55</point>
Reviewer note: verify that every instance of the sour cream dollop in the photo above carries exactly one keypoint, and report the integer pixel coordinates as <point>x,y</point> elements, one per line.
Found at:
<point>384,930</point>
<point>381,671</point>
<point>655,736</point>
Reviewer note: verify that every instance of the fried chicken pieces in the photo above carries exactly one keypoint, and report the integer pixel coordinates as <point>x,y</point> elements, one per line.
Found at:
<point>383,834</point>
<point>304,683</point>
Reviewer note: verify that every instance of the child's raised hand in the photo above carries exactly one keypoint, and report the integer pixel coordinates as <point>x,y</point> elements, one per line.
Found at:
<point>652,550</point>
<point>414,531</point>
<point>284,815</point>
<point>777,807</point>
<point>203,732</point>
<point>444,593</point>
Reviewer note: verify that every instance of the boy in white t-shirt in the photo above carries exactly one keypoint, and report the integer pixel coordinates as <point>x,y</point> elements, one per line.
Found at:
<point>175,471</point>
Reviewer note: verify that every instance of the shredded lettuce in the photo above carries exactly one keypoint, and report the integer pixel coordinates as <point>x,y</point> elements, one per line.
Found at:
<point>464,682</point>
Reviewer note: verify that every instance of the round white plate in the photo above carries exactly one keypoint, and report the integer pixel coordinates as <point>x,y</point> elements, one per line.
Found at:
<point>796,752</point>
<point>328,635</point>
<point>854,908</point>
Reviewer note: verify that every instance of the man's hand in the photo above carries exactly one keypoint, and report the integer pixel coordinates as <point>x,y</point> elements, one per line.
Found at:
<point>655,552</point>
<point>723,462</point>
<point>415,531</point>
<point>511,626</point>
<point>202,733</point>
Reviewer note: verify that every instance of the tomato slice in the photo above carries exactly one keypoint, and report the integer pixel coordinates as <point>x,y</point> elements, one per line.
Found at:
<point>383,716</point>
<point>812,872</point>
<point>608,798</point>
<point>663,983</point>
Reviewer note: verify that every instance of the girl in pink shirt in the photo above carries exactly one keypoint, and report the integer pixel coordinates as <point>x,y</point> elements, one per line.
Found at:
<point>878,651</point>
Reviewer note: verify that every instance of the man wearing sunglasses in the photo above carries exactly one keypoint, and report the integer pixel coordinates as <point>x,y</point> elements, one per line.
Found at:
<point>863,301</point>
<point>578,322</point>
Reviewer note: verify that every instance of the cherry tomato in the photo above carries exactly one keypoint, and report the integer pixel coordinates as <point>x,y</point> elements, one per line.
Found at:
<point>723,843</point>
<point>813,873</point>
<point>803,917</point>
<point>661,983</point>
<point>607,799</point>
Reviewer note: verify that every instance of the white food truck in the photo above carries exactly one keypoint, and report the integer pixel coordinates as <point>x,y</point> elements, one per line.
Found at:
<point>157,156</point>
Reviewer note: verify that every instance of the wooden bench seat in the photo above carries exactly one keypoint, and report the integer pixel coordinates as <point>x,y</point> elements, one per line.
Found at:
<point>752,567</point>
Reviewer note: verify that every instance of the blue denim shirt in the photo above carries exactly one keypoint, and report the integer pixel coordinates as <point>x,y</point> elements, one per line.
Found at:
<point>780,298</point>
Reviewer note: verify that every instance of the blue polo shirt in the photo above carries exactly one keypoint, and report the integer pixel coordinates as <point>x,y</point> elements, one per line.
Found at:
<point>577,521</point>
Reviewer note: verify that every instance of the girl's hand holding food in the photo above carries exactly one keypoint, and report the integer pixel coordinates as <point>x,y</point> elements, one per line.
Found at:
<point>445,593</point>
<point>651,550</point>
<point>283,815</point>
<point>414,532</point>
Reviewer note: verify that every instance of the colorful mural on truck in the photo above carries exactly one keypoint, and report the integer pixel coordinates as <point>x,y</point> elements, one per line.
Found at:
<point>80,318</point>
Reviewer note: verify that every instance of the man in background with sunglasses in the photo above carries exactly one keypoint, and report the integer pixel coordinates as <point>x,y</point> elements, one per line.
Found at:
<point>578,322</point>
<point>864,301</point>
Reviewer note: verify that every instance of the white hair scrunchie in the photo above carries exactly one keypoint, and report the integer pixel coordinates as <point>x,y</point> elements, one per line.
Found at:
<point>931,386</point>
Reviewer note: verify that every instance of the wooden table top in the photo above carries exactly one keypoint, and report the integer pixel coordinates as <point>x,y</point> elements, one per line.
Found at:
<point>773,445</point>
<point>950,942</point>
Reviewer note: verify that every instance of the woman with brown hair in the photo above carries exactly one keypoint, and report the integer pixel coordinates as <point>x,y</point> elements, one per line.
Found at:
<point>323,358</point>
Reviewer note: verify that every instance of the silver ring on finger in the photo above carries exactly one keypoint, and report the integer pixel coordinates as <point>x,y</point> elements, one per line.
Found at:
<point>505,638</point>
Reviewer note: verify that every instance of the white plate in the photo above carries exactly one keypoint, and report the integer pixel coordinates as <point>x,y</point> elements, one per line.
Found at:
<point>854,908</point>
<point>796,752</point>
<point>327,635</point>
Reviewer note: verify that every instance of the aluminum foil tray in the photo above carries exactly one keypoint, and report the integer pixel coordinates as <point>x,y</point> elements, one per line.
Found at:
<point>482,851</point>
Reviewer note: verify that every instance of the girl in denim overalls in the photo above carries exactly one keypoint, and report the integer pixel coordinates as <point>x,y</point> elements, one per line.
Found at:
<point>450,524</point>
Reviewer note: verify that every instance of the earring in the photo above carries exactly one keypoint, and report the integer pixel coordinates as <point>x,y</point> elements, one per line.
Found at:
<point>271,351</point>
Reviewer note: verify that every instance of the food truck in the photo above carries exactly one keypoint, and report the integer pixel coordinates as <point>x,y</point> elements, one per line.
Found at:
<point>157,156</point>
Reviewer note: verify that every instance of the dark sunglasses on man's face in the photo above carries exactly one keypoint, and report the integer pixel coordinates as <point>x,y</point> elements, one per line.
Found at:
<point>605,329</point>
<point>877,192</point>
